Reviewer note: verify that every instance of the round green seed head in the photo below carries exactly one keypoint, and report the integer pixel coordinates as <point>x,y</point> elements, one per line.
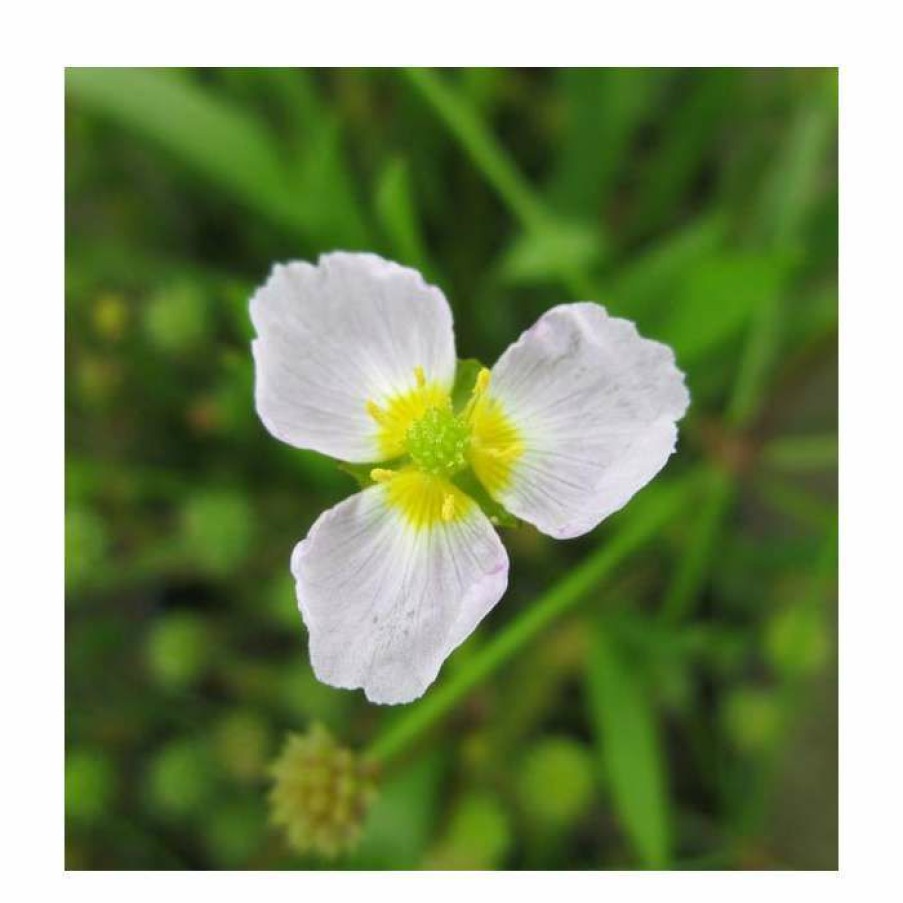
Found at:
<point>556,783</point>
<point>321,793</point>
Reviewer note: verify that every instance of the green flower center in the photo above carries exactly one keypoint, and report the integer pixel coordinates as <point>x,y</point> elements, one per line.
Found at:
<point>437,441</point>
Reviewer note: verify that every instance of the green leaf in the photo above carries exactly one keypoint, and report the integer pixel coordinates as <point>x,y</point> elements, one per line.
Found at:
<point>645,287</point>
<point>624,722</point>
<point>543,254</point>
<point>604,108</point>
<point>312,196</point>
<point>325,204</point>
<point>803,159</point>
<point>719,297</point>
<point>492,160</point>
<point>394,204</point>
<point>401,822</point>
<point>215,138</point>
<point>689,140</point>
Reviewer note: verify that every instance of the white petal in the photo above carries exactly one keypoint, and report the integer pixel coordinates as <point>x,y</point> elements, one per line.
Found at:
<point>596,406</point>
<point>385,603</point>
<point>334,336</point>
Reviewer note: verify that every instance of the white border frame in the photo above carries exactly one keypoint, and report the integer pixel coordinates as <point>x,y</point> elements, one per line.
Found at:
<point>863,39</point>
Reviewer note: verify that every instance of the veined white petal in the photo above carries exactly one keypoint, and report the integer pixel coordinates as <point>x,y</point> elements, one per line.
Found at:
<point>386,603</point>
<point>596,407</point>
<point>334,336</point>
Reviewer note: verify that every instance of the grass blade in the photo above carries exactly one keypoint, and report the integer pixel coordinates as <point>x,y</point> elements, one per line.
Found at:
<point>623,718</point>
<point>208,134</point>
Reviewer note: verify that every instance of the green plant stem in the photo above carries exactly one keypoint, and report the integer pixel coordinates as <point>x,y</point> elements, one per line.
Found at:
<point>717,496</point>
<point>693,568</point>
<point>796,503</point>
<point>650,513</point>
<point>802,454</point>
<point>759,353</point>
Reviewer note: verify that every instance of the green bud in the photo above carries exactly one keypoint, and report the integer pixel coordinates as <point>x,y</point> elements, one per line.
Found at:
<point>217,530</point>
<point>479,836</point>
<point>90,785</point>
<point>752,718</point>
<point>110,316</point>
<point>179,649</point>
<point>97,378</point>
<point>234,831</point>
<point>556,782</point>
<point>87,544</point>
<point>181,779</point>
<point>797,641</point>
<point>175,319</point>
<point>242,743</point>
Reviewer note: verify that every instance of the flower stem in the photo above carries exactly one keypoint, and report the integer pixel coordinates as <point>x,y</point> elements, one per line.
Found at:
<point>716,496</point>
<point>802,454</point>
<point>639,525</point>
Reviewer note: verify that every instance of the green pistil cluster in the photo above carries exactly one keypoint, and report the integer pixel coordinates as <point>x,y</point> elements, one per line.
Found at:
<point>321,793</point>
<point>437,442</point>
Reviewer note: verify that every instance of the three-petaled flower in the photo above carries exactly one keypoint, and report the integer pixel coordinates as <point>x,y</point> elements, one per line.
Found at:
<point>355,358</point>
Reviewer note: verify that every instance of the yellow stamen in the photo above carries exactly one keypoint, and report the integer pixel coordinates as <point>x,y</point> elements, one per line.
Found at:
<point>481,384</point>
<point>426,501</point>
<point>381,475</point>
<point>496,444</point>
<point>420,376</point>
<point>448,507</point>
<point>502,454</point>
<point>376,412</point>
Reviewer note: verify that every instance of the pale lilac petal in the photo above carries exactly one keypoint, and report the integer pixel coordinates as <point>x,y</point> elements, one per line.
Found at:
<point>334,336</point>
<point>384,603</point>
<point>596,406</point>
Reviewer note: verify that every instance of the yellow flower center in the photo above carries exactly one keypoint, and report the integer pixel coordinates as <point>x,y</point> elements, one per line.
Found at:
<point>435,443</point>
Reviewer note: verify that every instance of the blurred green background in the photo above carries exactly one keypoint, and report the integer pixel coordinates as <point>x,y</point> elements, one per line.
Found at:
<point>684,713</point>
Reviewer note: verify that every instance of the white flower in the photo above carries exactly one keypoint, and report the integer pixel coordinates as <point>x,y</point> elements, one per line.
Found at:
<point>355,358</point>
